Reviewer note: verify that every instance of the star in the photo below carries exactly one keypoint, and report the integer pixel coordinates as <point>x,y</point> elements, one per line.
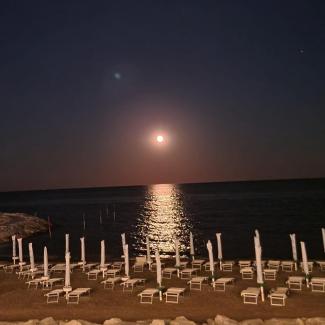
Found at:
<point>117,76</point>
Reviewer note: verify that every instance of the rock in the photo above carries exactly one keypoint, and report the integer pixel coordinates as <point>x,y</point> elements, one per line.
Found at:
<point>181,320</point>
<point>48,321</point>
<point>315,321</point>
<point>113,321</point>
<point>284,321</point>
<point>256,321</point>
<point>210,321</point>
<point>223,320</point>
<point>157,322</point>
<point>20,223</point>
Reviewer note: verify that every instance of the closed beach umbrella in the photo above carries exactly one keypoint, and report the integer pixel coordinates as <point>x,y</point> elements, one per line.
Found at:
<point>258,256</point>
<point>177,257</point>
<point>257,235</point>
<point>14,257</point>
<point>323,235</point>
<point>192,252</point>
<point>67,250</point>
<point>158,267</point>
<point>126,260</point>
<point>83,252</point>
<point>102,254</point>
<point>294,249</point>
<point>20,252</point>
<point>219,248</point>
<point>67,284</point>
<point>211,260</point>
<point>31,256</point>
<point>305,261</point>
<point>148,250</point>
<point>45,263</point>
<point>123,241</point>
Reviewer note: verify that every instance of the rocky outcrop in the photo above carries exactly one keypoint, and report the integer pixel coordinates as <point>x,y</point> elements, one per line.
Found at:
<point>219,320</point>
<point>20,224</point>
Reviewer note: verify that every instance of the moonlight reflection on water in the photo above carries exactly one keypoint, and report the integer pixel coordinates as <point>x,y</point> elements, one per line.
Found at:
<point>163,219</point>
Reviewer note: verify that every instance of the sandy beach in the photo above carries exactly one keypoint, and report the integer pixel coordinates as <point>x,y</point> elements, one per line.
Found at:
<point>20,303</point>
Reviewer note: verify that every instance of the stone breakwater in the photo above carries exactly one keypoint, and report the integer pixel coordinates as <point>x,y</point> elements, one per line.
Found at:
<point>219,320</point>
<point>20,224</point>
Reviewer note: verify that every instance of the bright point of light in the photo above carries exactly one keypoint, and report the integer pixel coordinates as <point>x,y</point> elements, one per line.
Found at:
<point>160,138</point>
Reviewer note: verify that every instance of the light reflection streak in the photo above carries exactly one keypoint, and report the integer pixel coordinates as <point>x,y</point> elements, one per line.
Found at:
<point>163,219</point>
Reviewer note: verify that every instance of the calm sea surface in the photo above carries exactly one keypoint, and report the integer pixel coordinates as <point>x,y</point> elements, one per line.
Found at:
<point>235,209</point>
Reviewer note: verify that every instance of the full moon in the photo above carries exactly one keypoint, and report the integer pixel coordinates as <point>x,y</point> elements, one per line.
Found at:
<point>160,139</point>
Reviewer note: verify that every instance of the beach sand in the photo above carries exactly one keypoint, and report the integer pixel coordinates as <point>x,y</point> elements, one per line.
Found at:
<point>20,303</point>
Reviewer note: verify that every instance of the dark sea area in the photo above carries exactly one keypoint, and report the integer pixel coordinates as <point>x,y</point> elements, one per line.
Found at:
<point>236,209</point>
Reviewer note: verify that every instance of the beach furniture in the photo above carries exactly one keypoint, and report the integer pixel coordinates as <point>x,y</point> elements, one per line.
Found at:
<point>206,265</point>
<point>274,264</point>
<point>251,295</point>
<point>278,296</point>
<point>10,268</point>
<point>263,263</point>
<point>58,268</point>
<point>129,284</point>
<point>167,272</point>
<point>153,266</point>
<point>227,266</point>
<point>183,264</point>
<point>244,263</point>
<point>220,284</point>
<point>321,265</point>
<point>109,283</point>
<point>34,282</point>
<point>287,266</point>
<point>54,295</point>
<point>112,273</point>
<point>187,274</point>
<point>269,274</point>
<point>146,296</point>
<point>310,266</point>
<point>117,265</point>
<point>93,274</point>
<point>28,274</point>
<point>317,284</point>
<point>247,273</point>
<point>295,282</point>
<point>196,282</point>
<point>173,294</point>
<point>88,266</point>
<point>197,264</point>
<point>73,296</point>
<point>49,283</point>
<point>140,262</point>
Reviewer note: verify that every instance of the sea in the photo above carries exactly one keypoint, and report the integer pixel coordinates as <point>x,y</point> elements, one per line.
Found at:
<point>168,211</point>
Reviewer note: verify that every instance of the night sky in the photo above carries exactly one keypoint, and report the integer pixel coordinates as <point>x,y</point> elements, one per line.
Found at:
<point>236,87</point>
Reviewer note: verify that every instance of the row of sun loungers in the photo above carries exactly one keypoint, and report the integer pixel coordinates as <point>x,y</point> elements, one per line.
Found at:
<point>72,297</point>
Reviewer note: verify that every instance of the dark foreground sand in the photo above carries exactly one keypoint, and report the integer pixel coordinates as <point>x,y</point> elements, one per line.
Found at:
<point>19,303</point>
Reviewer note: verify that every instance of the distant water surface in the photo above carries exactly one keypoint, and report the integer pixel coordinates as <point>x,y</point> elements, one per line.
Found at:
<point>166,211</point>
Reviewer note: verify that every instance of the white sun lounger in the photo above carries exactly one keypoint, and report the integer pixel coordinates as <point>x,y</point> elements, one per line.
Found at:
<point>88,266</point>
<point>187,274</point>
<point>168,272</point>
<point>34,282</point>
<point>321,265</point>
<point>140,262</point>
<point>227,266</point>
<point>172,294</point>
<point>206,265</point>
<point>49,283</point>
<point>117,265</point>
<point>129,284</point>
<point>74,295</point>
<point>146,296</point>
<point>112,273</point>
<point>247,273</point>
<point>153,266</point>
<point>295,282</point>
<point>317,284</point>
<point>278,296</point>
<point>251,295</point>
<point>274,264</point>
<point>220,284</point>
<point>196,282</point>
<point>287,266</point>
<point>53,296</point>
<point>109,283</point>
<point>197,264</point>
<point>93,274</point>
<point>269,274</point>
<point>244,263</point>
